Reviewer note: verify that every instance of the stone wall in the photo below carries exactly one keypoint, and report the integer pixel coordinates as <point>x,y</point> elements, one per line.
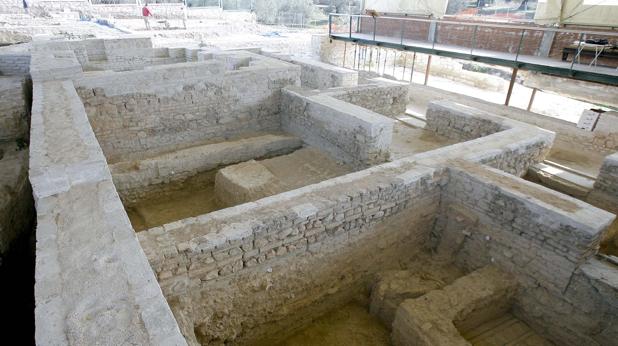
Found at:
<point>382,96</point>
<point>461,123</point>
<point>536,233</point>
<point>14,108</point>
<point>289,230</point>
<point>605,190</point>
<point>93,282</point>
<point>545,239</point>
<point>348,132</point>
<point>307,250</point>
<point>140,113</point>
<point>567,134</point>
<point>585,314</point>
<point>14,64</point>
<point>137,180</point>
<point>318,75</point>
<point>132,52</point>
<point>16,207</point>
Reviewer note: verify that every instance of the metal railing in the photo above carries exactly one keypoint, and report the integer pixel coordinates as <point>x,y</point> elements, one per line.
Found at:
<point>513,45</point>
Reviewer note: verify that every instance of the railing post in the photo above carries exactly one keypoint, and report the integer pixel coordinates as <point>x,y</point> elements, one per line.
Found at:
<point>330,24</point>
<point>401,29</point>
<point>412,68</point>
<point>474,39</point>
<point>521,39</point>
<point>576,56</point>
<point>374,28</point>
<point>435,33</point>
<point>350,32</point>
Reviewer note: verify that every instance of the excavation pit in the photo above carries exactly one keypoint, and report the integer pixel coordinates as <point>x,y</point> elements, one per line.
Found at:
<point>304,240</point>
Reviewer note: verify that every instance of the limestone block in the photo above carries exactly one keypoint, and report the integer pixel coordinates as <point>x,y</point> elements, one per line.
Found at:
<point>244,182</point>
<point>474,298</point>
<point>393,287</point>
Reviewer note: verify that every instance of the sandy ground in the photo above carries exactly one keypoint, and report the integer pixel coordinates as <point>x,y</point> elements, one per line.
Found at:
<point>408,140</point>
<point>350,325</point>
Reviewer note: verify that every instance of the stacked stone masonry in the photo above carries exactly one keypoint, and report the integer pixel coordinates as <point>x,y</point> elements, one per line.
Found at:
<point>240,274</point>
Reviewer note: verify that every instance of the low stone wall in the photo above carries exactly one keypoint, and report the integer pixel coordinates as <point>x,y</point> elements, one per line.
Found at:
<point>318,75</point>
<point>311,248</point>
<point>432,319</point>
<point>349,133</point>
<point>461,123</point>
<point>14,108</point>
<point>135,180</point>
<point>93,282</point>
<point>164,11</point>
<point>382,96</point>
<point>534,232</point>
<point>586,313</point>
<point>568,136</point>
<point>289,231</point>
<point>165,108</point>
<point>546,239</point>
<point>605,190</point>
<point>13,64</point>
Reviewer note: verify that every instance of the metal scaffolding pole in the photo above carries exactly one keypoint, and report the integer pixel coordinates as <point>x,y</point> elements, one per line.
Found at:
<point>511,85</point>
<point>531,99</point>
<point>412,68</point>
<point>427,70</point>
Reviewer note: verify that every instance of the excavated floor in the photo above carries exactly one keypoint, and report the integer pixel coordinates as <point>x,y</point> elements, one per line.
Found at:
<point>590,163</point>
<point>350,325</point>
<point>409,140</point>
<point>190,198</point>
<point>196,195</point>
<point>502,331</point>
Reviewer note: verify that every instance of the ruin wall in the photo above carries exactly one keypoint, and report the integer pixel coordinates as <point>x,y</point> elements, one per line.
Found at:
<point>14,112</point>
<point>349,133</point>
<point>546,239</point>
<point>165,108</point>
<point>461,123</point>
<point>605,189</point>
<point>529,230</point>
<point>14,64</point>
<point>586,313</point>
<point>567,134</point>
<point>93,282</point>
<point>299,238</point>
<point>318,75</point>
<point>381,95</point>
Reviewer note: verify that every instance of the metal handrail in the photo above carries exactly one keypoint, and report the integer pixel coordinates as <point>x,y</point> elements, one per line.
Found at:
<point>432,38</point>
<point>517,27</point>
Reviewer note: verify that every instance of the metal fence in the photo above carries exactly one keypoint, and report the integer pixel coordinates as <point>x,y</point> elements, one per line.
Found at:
<point>113,2</point>
<point>204,3</point>
<point>238,5</point>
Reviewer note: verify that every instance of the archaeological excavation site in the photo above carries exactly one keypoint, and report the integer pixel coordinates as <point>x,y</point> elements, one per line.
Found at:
<point>210,173</point>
